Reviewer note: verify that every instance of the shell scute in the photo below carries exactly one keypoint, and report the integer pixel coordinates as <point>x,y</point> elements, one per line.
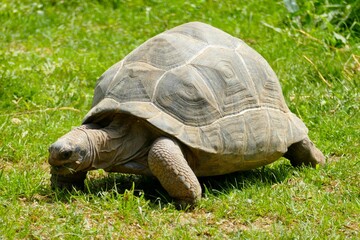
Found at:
<point>182,95</point>
<point>207,34</point>
<point>139,80</point>
<point>233,87</point>
<point>166,51</point>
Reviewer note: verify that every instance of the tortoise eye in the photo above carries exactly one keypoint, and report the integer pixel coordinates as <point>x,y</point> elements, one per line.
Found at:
<point>65,155</point>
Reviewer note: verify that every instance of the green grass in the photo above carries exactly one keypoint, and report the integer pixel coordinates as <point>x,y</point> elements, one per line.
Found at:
<point>51,54</point>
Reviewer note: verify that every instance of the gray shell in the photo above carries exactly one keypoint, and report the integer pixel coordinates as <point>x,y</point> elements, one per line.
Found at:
<point>204,87</point>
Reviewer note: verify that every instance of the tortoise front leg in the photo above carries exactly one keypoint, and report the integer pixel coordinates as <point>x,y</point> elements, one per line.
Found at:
<point>68,181</point>
<point>167,163</point>
<point>304,152</point>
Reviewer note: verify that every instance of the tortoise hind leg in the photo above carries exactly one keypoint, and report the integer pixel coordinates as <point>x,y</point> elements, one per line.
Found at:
<point>304,152</point>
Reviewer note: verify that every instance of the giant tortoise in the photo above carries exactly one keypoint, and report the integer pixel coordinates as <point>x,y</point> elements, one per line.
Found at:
<point>192,101</point>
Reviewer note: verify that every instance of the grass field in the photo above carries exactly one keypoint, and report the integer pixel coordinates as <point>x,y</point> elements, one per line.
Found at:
<point>51,54</point>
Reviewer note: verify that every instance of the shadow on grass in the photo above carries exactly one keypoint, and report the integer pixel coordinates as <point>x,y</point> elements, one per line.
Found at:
<point>151,189</point>
<point>262,177</point>
<point>122,185</point>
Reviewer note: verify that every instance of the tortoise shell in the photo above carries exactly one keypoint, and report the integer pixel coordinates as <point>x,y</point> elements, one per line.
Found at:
<point>204,87</point>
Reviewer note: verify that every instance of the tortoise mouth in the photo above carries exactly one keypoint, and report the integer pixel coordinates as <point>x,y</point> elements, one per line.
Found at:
<point>65,168</point>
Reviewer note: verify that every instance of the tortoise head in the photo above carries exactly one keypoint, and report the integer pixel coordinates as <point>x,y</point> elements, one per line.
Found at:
<point>73,151</point>
<point>95,146</point>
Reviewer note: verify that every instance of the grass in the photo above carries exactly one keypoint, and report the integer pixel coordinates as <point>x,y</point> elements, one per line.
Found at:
<point>52,52</point>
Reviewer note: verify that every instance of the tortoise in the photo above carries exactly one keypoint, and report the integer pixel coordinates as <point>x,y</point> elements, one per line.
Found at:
<point>192,101</point>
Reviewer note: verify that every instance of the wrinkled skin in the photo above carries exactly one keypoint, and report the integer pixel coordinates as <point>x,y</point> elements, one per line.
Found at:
<point>71,156</point>
<point>127,146</point>
<point>74,151</point>
<point>92,146</point>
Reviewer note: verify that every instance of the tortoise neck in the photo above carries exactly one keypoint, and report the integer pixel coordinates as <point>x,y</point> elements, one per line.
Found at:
<point>118,143</point>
